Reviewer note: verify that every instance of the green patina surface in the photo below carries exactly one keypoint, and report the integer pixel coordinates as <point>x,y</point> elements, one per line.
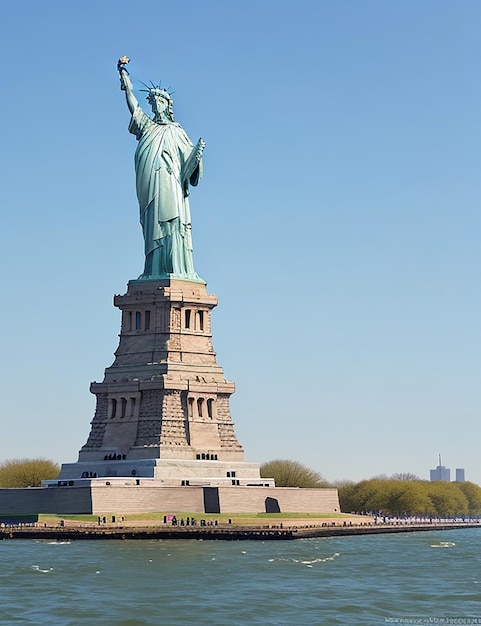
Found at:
<point>167,164</point>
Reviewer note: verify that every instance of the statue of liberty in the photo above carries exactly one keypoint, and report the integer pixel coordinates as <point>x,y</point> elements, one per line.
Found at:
<point>166,164</point>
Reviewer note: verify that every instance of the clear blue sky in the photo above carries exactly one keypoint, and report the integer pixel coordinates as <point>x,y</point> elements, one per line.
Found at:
<point>338,220</point>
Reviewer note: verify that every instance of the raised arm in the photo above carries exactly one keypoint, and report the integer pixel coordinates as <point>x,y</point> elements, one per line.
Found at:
<point>126,84</point>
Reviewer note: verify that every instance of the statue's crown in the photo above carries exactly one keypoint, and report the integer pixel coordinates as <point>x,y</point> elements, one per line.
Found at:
<point>156,91</point>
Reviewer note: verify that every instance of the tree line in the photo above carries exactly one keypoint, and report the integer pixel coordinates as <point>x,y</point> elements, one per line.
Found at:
<point>393,497</point>
<point>401,494</point>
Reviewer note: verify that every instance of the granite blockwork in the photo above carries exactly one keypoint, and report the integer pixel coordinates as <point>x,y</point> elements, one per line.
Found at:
<point>164,396</point>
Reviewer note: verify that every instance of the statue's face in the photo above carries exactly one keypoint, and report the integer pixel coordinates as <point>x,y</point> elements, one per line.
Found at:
<point>162,108</point>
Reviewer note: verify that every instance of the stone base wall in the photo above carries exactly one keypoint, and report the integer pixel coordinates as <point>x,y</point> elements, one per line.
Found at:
<point>287,499</point>
<point>146,499</point>
<point>121,499</point>
<point>61,500</point>
<point>150,499</point>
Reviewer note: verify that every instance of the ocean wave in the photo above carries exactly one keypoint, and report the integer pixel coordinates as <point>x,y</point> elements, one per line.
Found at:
<point>309,563</point>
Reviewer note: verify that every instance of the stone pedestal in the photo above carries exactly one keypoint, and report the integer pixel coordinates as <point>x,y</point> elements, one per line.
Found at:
<point>162,437</point>
<point>165,396</point>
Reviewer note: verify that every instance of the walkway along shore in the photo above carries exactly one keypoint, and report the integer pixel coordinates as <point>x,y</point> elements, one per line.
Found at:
<point>230,532</point>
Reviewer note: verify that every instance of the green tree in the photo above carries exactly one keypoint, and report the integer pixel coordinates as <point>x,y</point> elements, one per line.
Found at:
<point>473,495</point>
<point>447,499</point>
<point>368,495</point>
<point>388,497</point>
<point>288,473</point>
<point>16,473</point>
<point>404,497</point>
<point>346,490</point>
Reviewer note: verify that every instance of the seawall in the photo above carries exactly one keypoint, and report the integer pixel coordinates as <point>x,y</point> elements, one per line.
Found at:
<point>230,532</point>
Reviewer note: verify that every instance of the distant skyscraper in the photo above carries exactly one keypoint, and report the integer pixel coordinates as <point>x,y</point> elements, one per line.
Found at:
<point>440,473</point>
<point>460,475</point>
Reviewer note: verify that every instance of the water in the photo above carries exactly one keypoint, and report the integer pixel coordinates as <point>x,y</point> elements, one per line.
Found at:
<point>344,580</point>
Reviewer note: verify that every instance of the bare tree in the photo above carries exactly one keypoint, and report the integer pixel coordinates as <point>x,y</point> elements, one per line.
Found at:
<point>15,473</point>
<point>404,476</point>
<point>288,473</point>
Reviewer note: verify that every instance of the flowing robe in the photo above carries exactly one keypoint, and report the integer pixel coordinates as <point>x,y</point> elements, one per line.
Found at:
<point>162,191</point>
